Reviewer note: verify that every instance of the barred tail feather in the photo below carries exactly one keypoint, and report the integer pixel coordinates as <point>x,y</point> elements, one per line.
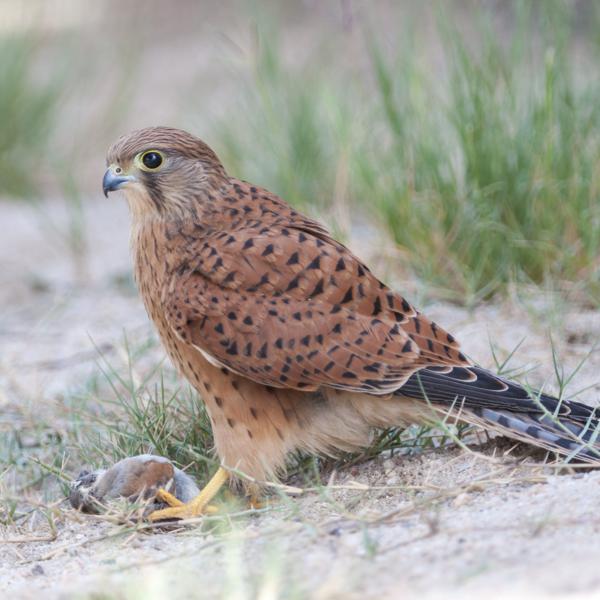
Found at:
<point>478,396</point>
<point>543,432</point>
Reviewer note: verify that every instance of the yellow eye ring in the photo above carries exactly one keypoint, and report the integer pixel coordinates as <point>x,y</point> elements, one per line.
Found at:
<point>150,160</point>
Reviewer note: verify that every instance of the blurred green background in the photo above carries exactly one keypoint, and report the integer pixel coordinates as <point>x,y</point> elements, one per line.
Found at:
<point>468,131</point>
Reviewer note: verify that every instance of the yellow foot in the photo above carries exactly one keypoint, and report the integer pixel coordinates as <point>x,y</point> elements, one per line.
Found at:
<point>168,498</point>
<point>198,506</point>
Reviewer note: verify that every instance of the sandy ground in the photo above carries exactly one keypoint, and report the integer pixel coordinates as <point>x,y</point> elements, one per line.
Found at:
<point>452,523</point>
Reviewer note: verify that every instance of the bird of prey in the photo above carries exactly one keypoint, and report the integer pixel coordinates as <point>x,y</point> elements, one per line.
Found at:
<point>291,341</point>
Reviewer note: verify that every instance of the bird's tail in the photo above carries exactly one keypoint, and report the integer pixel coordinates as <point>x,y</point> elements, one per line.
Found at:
<point>478,396</point>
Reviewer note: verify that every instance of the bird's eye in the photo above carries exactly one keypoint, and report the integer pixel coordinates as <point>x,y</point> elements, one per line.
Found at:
<point>152,159</point>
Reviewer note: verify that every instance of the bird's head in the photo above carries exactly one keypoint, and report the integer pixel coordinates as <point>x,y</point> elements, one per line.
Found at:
<point>161,170</point>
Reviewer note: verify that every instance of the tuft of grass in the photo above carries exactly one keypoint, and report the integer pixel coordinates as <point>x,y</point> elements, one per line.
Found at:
<point>498,173</point>
<point>289,130</point>
<point>29,101</point>
<point>137,407</point>
<point>32,450</point>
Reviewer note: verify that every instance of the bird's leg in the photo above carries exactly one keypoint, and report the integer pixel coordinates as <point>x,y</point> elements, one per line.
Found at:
<point>199,505</point>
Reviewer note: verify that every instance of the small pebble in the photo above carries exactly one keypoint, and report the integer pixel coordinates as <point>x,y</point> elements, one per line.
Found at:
<point>38,570</point>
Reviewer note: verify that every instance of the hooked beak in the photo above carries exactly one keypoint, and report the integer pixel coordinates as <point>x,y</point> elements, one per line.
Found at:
<point>113,181</point>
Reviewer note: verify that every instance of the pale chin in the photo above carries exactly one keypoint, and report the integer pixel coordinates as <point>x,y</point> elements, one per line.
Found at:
<point>138,200</point>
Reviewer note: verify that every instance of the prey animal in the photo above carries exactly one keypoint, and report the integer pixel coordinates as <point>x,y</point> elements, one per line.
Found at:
<point>291,341</point>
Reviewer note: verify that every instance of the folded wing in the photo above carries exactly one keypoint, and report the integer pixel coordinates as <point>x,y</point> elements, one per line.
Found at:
<point>287,306</point>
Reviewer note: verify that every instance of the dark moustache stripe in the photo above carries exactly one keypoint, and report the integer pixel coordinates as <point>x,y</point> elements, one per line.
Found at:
<point>152,186</point>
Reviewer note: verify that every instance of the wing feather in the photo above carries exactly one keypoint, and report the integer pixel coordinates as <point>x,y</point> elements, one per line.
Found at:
<point>285,305</point>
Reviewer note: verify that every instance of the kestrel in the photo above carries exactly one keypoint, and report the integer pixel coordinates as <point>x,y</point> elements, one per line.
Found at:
<point>292,342</point>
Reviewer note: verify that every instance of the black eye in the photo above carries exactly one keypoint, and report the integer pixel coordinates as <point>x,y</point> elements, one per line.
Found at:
<point>152,159</point>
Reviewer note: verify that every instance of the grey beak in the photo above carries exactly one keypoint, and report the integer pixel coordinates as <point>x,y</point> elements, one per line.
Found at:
<point>112,182</point>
